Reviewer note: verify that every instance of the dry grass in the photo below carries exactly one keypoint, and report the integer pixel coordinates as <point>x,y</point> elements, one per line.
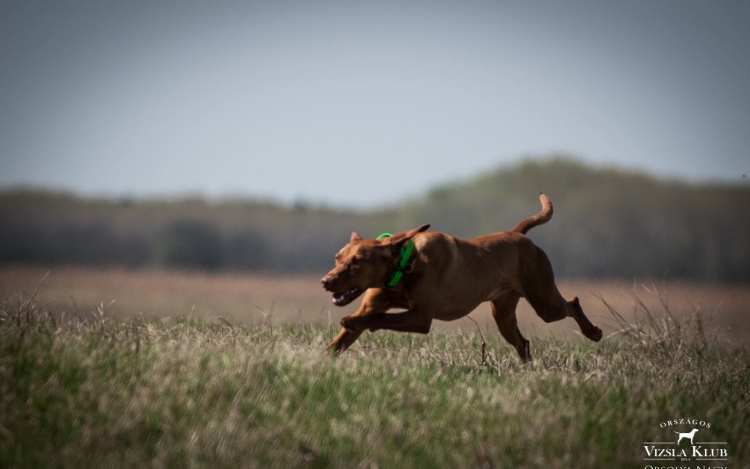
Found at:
<point>256,298</point>
<point>185,393</point>
<point>648,326</point>
<point>79,387</point>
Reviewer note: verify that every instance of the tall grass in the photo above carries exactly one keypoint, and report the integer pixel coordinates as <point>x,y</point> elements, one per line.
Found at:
<point>662,325</point>
<point>80,389</point>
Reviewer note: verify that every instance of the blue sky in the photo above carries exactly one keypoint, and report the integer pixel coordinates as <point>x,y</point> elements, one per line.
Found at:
<point>363,103</point>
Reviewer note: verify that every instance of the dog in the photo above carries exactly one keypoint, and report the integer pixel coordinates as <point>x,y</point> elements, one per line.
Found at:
<point>446,278</point>
<point>689,436</point>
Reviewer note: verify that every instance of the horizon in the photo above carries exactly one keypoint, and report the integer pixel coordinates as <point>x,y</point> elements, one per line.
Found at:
<point>323,205</point>
<point>364,105</point>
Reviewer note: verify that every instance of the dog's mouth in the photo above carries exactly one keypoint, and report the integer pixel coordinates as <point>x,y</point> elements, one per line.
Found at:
<point>346,297</point>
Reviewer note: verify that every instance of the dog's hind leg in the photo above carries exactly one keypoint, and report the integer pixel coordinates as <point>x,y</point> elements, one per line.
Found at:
<point>558,308</point>
<point>538,282</point>
<point>504,312</point>
<point>588,328</point>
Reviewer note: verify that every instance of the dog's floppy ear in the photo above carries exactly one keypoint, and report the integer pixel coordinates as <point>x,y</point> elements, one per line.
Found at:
<point>399,238</point>
<point>355,237</point>
<point>410,234</point>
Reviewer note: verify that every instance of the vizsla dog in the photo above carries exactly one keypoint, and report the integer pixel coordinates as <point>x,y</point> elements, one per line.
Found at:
<point>438,276</point>
<point>688,435</point>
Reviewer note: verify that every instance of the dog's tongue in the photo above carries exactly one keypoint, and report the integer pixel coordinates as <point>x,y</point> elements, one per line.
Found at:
<point>343,299</point>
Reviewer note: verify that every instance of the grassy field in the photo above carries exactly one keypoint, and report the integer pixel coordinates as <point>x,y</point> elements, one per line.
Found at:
<point>296,300</point>
<point>80,387</point>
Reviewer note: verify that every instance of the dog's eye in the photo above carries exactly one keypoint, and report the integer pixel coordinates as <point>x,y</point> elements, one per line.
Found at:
<point>356,260</point>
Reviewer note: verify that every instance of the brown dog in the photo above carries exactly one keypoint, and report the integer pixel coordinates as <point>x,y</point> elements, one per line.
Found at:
<point>446,278</point>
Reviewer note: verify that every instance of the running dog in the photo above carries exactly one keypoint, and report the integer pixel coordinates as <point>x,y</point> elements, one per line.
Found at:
<point>438,276</point>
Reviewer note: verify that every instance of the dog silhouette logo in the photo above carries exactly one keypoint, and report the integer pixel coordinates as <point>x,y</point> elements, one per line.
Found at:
<point>688,436</point>
<point>665,449</point>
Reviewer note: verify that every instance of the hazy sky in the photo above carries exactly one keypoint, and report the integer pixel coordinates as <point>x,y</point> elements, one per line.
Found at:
<point>361,103</point>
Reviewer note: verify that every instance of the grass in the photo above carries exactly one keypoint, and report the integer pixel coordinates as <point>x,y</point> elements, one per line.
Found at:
<point>186,392</point>
<point>244,297</point>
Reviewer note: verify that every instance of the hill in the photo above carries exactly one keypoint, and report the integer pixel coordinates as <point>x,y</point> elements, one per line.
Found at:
<point>607,222</point>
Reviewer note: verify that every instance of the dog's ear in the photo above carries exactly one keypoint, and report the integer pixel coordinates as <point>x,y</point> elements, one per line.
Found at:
<point>355,237</point>
<point>410,234</point>
<point>399,238</point>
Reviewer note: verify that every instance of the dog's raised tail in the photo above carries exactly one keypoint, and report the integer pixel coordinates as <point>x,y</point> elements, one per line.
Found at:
<point>540,218</point>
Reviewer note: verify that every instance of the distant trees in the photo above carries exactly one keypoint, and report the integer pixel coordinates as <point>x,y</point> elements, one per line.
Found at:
<point>93,243</point>
<point>188,243</point>
<point>607,223</point>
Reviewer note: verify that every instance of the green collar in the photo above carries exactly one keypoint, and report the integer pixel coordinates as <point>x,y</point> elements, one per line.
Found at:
<point>402,263</point>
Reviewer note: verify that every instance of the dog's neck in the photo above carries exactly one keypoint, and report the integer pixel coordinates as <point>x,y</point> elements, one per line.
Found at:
<point>403,265</point>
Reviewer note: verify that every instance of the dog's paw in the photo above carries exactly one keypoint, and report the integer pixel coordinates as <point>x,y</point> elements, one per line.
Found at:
<point>333,348</point>
<point>351,323</point>
<point>595,334</point>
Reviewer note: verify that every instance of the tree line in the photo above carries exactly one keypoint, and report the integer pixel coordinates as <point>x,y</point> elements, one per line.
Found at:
<point>608,223</point>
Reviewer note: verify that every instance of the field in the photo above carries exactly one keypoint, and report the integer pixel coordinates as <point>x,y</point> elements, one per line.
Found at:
<point>195,370</point>
<point>255,299</point>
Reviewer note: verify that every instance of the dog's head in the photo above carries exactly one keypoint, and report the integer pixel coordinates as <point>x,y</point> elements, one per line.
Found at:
<point>365,263</point>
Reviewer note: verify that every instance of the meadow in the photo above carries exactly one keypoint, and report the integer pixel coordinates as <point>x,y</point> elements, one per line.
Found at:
<point>226,370</point>
<point>257,299</point>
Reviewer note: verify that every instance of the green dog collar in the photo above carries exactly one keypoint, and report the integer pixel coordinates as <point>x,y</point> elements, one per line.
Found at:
<point>402,263</point>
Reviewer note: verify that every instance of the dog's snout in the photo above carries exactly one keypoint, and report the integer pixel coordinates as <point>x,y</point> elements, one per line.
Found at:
<point>326,281</point>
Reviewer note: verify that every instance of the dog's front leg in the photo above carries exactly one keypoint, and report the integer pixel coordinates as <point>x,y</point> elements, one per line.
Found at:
<point>409,321</point>
<point>343,341</point>
<point>375,300</point>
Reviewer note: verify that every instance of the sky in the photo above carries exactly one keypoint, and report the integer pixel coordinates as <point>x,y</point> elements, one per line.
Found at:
<point>363,103</point>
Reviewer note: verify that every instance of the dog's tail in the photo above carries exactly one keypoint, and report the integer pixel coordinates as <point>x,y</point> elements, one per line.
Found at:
<point>538,219</point>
